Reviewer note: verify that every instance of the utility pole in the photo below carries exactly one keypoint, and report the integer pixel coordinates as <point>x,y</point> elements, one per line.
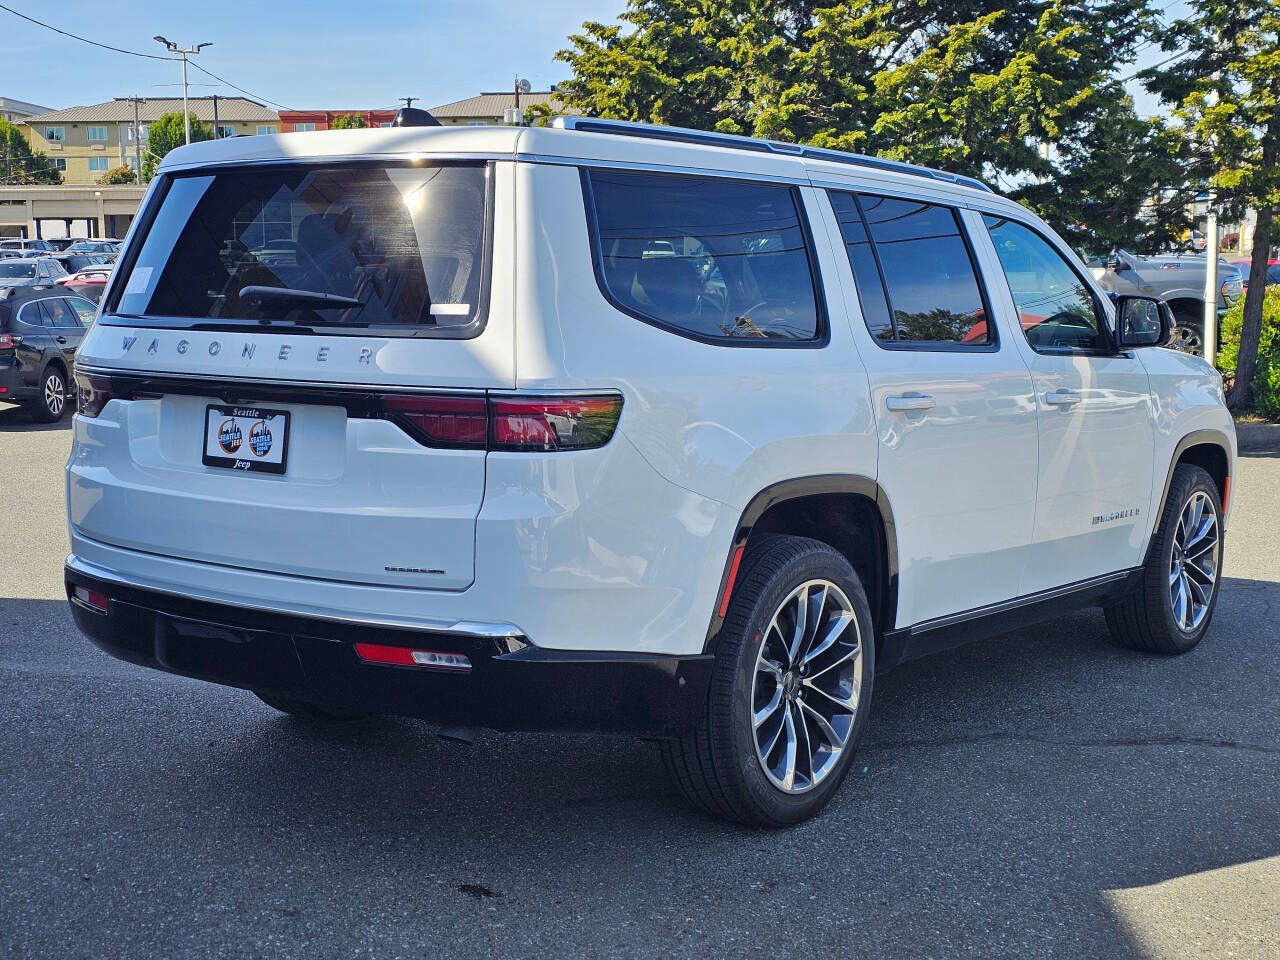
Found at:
<point>183,53</point>
<point>1211,284</point>
<point>137,137</point>
<point>217,135</point>
<point>517,92</point>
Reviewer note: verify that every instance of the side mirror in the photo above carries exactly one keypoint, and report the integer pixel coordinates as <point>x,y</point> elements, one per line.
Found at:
<point>1142,322</point>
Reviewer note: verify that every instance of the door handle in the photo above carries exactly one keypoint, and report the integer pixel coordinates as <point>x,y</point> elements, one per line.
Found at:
<point>62,339</point>
<point>1062,398</point>
<point>910,401</point>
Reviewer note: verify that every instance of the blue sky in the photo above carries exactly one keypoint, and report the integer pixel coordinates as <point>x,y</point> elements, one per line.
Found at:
<point>320,54</point>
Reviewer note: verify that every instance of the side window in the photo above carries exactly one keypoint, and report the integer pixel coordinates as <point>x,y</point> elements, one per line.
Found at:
<point>724,260</point>
<point>915,274</point>
<point>57,314</point>
<point>84,309</point>
<point>1056,311</point>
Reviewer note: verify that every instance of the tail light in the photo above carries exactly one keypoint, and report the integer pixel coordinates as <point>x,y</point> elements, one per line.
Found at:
<point>460,422</point>
<point>510,423</point>
<point>7,342</point>
<point>92,394</point>
<point>552,423</point>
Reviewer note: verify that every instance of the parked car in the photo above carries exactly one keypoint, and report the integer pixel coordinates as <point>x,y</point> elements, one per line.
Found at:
<point>93,246</point>
<point>1179,279</point>
<point>29,271</point>
<point>72,262</point>
<point>89,282</point>
<point>626,429</point>
<point>1244,265</point>
<point>58,244</point>
<point>40,331</point>
<point>16,247</point>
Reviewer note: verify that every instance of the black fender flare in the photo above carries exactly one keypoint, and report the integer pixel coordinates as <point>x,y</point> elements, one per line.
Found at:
<point>794,489</point>
<point>1195,438</point>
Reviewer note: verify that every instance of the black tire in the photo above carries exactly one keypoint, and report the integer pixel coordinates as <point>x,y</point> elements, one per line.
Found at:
<point>1146,619</point>
<point>53,382</point>
<point>1188,334</point>
<point>715,765</point>
<point>307,711</point>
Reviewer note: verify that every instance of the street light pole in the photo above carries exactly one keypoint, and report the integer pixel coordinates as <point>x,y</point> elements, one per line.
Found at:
<point>183,53</point>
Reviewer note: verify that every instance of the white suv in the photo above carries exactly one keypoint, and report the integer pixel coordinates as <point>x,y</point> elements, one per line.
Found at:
<point>620,428</point>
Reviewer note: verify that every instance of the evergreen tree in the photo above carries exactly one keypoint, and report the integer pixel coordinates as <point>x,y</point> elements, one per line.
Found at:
<point>165,134</point>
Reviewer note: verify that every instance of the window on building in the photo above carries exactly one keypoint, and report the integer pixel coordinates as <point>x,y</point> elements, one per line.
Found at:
<point>143,130</point>
<point>55,134</point>
<point>385,123</point>
<point>1056,310</point>
<point>98,164</point>
<point>719,259</point>
<point>132,161</point>
<point>225,130</point>
<point>58,163</point>
<point>96,134</point>
<point>916,280</point>
<point>266,129</point>
<point>303,127</point>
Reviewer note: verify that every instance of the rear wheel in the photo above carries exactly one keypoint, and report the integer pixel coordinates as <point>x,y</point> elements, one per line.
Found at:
<point>790,690</point>
<point>51,403</point>
<point>305,710</point>
<point>1170,609</point>
<point>1188,334</point>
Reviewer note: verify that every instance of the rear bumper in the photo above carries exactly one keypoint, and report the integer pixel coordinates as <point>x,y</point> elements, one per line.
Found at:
<point>11,380</point>
<point>512,685</point>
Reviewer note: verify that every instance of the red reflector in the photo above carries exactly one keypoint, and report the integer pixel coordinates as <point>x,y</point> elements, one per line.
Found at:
<point>93,598</point>
<point>1226,492</point>
<point>728,584</point>
<point>447,421</point>
<point>554,423</point>
<point>407,657</point>
<point>6,341</point>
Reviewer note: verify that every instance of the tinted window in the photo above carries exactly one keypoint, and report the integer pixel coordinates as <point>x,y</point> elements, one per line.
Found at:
<point>85,310</point>
<point>17,269</point>
<point>407,242</point>
<point>928,273</point>
<point>724,259</point>
<point>875,307</point>
<point>57,314</point>
<point>1056,310</point>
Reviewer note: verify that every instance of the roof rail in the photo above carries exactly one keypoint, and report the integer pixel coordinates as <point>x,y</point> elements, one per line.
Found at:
<point>733,141</point>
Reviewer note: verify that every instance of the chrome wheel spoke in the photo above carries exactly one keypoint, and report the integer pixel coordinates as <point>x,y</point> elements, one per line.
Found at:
<point>1196,592</point>
<point>1193,568</point>
<point>813,629</point>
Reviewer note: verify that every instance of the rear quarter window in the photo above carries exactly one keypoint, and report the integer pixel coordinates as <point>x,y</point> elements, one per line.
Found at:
<point>725,261</point>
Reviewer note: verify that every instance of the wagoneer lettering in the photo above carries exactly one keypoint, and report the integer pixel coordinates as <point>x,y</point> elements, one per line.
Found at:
<point>609,427</point>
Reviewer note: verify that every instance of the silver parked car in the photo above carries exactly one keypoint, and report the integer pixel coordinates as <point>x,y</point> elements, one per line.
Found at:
<point>1177,279</point>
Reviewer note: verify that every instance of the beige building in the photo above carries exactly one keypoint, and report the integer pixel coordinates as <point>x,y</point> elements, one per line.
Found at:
<point>489,109</point>
<point>50,211</point>
<point>15,111</point>
<point>83,143</point>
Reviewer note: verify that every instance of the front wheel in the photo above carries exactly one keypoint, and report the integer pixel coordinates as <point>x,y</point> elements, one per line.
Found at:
<point>790,689</point>
<point>1170,609</point>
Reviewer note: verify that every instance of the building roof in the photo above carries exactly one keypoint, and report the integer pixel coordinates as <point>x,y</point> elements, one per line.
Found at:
<point>10,105</point>
<point>492,104</point>
<point>230,109</point>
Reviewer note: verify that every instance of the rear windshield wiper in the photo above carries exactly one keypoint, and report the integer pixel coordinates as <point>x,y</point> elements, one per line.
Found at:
<point>303,298</point>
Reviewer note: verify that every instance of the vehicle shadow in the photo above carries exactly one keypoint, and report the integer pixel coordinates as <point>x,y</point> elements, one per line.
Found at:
<point>1000,788</point>
<point>16,419</point>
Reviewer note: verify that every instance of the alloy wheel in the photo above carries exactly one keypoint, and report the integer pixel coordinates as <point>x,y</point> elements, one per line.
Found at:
<point>1186,339</point>
<point>1193,568</point>
<point>806,687</point>
<point>55,394</point>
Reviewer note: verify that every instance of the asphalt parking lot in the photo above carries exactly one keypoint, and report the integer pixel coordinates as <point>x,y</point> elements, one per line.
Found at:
<point>1041,795</point>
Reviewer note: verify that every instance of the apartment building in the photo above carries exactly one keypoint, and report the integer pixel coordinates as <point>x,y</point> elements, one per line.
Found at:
<point>16,111</point>
<point>85,142</point>
<point>489,109</point>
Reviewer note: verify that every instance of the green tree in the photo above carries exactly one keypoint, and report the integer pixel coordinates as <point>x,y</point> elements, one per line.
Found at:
<point>21,165</point>
<point>969,86</point>
<point>350,121</point>
<point>121,174</point>
<point>1226,91</point>
<point>165,134</point>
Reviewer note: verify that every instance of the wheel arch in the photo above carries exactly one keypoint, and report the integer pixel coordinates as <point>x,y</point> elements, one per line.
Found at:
<point>1208,449</point>
<point>1184,303</point>
<point>849,512</point>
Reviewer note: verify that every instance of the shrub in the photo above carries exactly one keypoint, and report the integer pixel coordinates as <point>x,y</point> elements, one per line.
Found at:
<point>350,121</point>
<point>120,174</point>
<point>1266,381</point>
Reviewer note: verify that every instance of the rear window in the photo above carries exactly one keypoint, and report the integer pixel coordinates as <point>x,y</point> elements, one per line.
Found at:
<point>401,246</point>
<point>722,260</point>
<point>17,269</point>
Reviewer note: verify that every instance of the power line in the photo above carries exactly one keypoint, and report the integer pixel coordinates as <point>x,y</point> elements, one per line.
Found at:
<point>247,93</point>
<point>73,36</point>
<point>135,53</point>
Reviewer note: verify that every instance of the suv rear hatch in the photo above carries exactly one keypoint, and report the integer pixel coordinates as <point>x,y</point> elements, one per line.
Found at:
<point>306,350</point>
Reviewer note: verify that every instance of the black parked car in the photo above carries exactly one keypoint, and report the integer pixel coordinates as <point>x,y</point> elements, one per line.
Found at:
<point>40,330</point>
